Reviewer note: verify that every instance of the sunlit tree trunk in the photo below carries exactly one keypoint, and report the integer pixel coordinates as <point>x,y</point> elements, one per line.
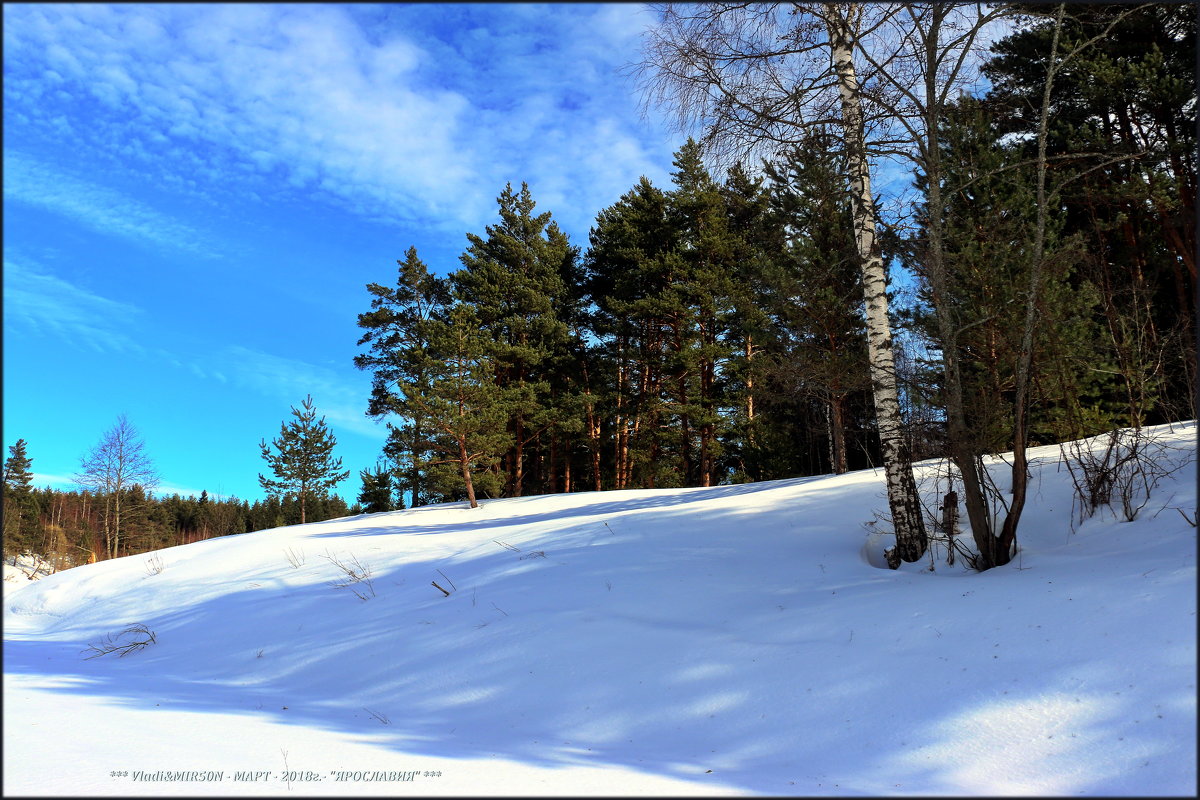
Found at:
<point>909,527</point>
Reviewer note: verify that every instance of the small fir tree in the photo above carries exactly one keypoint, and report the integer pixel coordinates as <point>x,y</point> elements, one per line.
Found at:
<point>376,493</point>
<point>303,460</point>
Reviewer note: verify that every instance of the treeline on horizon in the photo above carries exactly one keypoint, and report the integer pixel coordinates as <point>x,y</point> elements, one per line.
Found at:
<point>68,525</point>
<point>711,331</point>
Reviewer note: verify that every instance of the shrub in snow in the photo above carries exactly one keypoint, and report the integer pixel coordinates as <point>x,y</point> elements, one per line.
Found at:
<point>134,638</point>
<point>1122,466</point>
<point>357,576</point>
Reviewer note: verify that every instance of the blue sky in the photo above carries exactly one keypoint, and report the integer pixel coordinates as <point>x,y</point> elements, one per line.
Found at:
<point>196,195</point>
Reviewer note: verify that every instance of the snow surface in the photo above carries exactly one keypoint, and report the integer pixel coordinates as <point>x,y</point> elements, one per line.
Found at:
<point>27,567</point>
<point>726,640</point>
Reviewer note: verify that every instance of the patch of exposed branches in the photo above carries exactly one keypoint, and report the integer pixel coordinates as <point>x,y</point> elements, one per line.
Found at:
<point>381,717</point>
<point>135,637</point>
<point>1119,469</point>
<point>444,591</point>
<point>356,576</point>
<point>296,559</point>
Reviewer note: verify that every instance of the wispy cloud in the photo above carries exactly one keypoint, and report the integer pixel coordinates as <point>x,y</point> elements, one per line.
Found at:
<point>104,210</point>
<point>393,112</point>
<point>42,479</point>
<point>48,304</point>
<point>38,302</point>
<point>289,380</point>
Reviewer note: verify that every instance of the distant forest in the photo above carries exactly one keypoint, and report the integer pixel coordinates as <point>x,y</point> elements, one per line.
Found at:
<point>711,331</point>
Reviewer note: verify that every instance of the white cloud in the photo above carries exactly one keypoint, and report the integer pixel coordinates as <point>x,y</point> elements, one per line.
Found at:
<point>104,210</point>
<point>43,479</point>
<point>290,380</point>
<point>300,83</point>
<point>421,119</point>
<point>46,303</point>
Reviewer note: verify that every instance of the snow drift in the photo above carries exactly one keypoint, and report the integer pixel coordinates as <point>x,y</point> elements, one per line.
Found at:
<point>726,640</point>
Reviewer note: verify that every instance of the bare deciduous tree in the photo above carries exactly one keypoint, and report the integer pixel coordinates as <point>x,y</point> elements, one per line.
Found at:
<point>939,41</point>
<point>111,468</point>
<point>757,77</point>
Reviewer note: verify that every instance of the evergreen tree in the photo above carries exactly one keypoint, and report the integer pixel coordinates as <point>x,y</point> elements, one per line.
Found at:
<point>516,282</point>
<point>746,204</point>
<point>1122,144</point>
<point>397,332</point>
<point>987,223</point>
<point>434,367</point>
<point>467,409</point>
<point>19,504</point>
<point>376,493</point>
<point>626,281</point>
<point>699,304</point>
<point>17,474</point>
<point>813,291</point>
<point>668,274</point>
<point>302,460</point>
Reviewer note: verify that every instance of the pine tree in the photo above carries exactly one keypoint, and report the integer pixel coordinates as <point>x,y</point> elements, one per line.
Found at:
<point>17,474</point>
<point>625,280</point>
<point>18,500</point>
<point>700,294</point>
<point>397,332</point>
<point>1122,140</point>
<point>515,279</point>
<point>376,493</point>
<point>812,290</point>
<point>468,411</point>
<point>303,461</point>
<point>665,271</point>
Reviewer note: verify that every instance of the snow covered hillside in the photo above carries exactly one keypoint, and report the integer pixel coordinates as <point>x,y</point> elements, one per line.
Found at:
<point>726,640</point>
<point>26,568</point>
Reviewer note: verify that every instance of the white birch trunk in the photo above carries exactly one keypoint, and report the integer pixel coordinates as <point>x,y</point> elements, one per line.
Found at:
<point>911,539</point>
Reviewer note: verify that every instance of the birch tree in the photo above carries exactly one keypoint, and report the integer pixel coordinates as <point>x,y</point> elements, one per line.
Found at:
<point>941,41</point>
<point>756,77</point>
<point>113,467</point>
<point>919,79</point>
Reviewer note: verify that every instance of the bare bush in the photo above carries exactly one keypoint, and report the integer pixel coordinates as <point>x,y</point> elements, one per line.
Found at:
<point>1120,468</point>
<point>357,576</point>
<point>136,637</point>
<point>294,558</point>
<point>155,565</point>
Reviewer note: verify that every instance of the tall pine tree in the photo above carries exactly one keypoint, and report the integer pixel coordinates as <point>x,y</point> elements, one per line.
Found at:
<point>515,279</point>
<point>397,332</point>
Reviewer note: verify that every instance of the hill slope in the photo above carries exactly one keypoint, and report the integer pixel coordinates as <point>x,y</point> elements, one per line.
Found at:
<point>731,640</point>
